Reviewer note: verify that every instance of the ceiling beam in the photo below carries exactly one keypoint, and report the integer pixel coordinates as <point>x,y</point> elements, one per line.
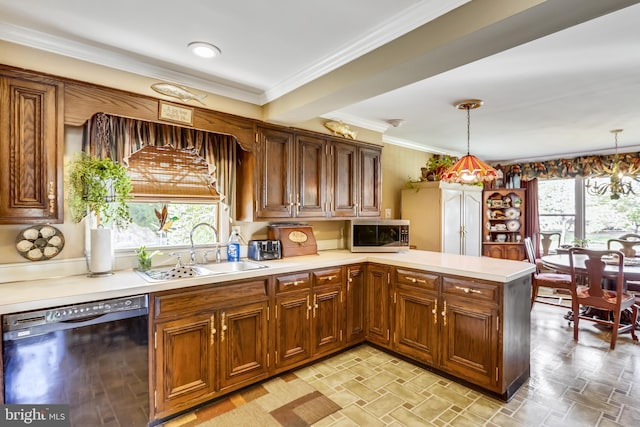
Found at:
<point>473,31</point>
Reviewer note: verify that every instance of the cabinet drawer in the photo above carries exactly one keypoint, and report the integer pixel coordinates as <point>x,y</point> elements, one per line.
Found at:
<point>293,282</point>
<point>471,289</point>
<point>180,302</point>
<point>416,278</point>
<point>331,276</point>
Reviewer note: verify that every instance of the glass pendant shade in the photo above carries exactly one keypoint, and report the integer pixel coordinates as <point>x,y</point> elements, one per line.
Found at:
<point>469,170</point>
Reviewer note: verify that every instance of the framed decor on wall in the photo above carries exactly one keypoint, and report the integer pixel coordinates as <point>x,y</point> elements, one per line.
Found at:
<point>175,113</point>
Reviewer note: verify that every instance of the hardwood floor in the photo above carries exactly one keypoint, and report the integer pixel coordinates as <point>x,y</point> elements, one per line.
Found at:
<point>572,384</point>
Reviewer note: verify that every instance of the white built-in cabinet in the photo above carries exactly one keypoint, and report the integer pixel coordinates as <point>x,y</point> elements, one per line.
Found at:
<point>445,217</point>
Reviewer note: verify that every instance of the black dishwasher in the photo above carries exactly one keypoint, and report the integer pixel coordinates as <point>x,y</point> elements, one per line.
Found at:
<point>90,356</point>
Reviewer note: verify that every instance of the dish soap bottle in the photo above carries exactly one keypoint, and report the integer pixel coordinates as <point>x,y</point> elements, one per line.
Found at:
<point>233,245</point>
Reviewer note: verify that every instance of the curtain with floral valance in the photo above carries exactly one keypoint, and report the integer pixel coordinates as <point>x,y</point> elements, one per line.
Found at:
<point>567,168</point>
<point>119,137</point>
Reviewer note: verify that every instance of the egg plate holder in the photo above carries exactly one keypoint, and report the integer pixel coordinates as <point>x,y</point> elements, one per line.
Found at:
<point>40,242</point>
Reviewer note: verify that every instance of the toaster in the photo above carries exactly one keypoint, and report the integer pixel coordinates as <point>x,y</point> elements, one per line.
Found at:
<point>262,250</point>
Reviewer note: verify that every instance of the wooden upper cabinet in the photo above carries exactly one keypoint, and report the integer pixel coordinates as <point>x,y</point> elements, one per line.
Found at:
<point>370,181</point>
<point>357,180</point>
<point>303,175</point>
<point>274,186</point>
<point>311,174</point>
<point>345,175</point>
<point>31,143</point>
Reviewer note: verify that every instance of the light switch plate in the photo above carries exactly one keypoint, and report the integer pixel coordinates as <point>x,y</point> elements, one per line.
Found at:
<point>387,213</point>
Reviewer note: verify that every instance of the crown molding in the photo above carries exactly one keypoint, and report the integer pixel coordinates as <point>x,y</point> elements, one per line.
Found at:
<point>128,63</point>
<point>417,146</point>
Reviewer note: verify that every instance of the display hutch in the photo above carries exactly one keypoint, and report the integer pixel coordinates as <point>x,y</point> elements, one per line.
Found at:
<point>504,223</point>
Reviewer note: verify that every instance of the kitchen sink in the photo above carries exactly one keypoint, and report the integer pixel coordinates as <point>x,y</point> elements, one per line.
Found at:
<point>172,273</point>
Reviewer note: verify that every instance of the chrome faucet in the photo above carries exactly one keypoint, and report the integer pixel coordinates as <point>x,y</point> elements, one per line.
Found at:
<point>215,240</point>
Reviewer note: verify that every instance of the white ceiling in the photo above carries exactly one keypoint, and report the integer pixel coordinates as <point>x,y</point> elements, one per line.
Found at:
<point>556,76</point>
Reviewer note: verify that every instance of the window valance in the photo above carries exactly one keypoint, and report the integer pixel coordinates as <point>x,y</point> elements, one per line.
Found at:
<point>566,168</point>
<point>187,150</point>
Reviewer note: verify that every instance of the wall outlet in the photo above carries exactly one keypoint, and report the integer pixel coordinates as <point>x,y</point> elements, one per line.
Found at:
<point>387,213</point>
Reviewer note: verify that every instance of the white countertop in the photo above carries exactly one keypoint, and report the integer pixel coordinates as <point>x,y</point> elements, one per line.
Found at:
<point>38,294</point>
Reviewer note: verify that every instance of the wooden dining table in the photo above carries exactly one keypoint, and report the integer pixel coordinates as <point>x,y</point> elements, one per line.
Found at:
<point>560,263</point>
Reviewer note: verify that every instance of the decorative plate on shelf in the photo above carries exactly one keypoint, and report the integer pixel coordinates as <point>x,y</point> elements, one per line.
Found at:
<point>512,213</point>
<point>40,242</point>
<point>513,225</point>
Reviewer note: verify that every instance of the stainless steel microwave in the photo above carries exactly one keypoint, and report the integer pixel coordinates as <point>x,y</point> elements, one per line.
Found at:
<point>378,235</point>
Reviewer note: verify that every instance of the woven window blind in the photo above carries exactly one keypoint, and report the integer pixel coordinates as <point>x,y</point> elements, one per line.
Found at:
<point>171,174</point>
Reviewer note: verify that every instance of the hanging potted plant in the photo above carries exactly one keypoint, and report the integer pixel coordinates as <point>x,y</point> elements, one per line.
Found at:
<point>99,187</point>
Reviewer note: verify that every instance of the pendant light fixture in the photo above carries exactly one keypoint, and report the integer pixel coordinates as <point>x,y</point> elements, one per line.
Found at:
<point>620,183</point>
<point>469,169</point>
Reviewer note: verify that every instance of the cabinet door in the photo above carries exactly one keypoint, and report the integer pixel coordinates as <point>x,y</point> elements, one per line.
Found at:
<point>327,318</point>
<point>471,222</point>
<point>369,182</point>
<point>275,187</point>
<point>185,368</point>
<point>345,165</point>
<point>31,143</point>
<point>311,171</point>
<point>243,344</point>
<point>514,252</point>
<point>378,312</point>
<point>493,251</point>
<point>355,304</point>
<point>452,221</point>
<point>470,341</point>
<point>293,338</point>
<point>416,323</point>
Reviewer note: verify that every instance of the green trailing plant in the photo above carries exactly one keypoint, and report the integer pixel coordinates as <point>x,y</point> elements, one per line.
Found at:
<point>436,165</point>
<point>144,257</point>
<point>98,186</point>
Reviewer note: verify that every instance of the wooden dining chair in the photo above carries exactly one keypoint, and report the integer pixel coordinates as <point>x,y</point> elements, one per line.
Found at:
<point>595,292</point>
<point>625,243</point>
<point>555,281</point>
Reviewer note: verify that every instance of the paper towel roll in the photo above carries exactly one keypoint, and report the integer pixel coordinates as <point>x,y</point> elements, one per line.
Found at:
<point>101,260</point>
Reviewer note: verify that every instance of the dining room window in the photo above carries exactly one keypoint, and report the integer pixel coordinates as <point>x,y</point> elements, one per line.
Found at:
<point>557,208</point>
<point>565,206</point>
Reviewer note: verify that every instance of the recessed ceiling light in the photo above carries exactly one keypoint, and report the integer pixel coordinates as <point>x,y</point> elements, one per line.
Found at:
<point>204,50</point>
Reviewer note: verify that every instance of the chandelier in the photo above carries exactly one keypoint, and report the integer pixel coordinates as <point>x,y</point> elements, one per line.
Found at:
<point>619,183</point>
<point>469,169</point>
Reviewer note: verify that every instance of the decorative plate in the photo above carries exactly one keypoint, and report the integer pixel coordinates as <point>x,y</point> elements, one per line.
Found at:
<point>512,213</point>
<point>513,225</point>
<point>40,242</point>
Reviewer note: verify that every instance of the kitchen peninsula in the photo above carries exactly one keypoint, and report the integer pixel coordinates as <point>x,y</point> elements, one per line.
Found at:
<point>464,317</point>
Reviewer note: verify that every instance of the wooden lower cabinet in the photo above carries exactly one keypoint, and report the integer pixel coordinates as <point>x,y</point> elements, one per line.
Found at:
<point>416,332</point>
<point>470,341</point>
<point>378,315</point>
<point>184,362</point>
<point>243,344</point>
<point>355,309</point>
<point>207,341</point>
<point>514,251</point>
<point>328,307</point>
<point>213,339</point>
<point>292,318</point>
<point>474,330</point>
<point>293,333</point>
<point>309,313</point>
